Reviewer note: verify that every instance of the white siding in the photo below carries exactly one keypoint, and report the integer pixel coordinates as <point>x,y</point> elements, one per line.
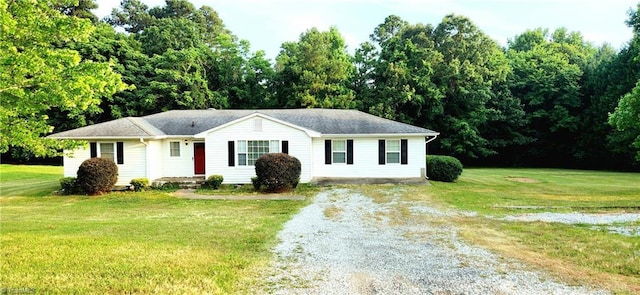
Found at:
<point>181,166</point>
<point>216,148</point>
<point>365,160</point>
<point>154,162</point>
<point>135,161</point>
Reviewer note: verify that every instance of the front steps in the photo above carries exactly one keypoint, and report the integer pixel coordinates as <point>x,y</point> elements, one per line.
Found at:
<point>182,182</point>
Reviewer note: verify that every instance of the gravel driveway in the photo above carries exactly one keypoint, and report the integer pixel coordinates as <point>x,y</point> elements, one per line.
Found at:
<point>345,243</point>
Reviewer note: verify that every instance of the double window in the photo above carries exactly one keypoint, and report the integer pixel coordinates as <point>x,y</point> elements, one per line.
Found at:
<point>113,151</point>
<point>250,150</point>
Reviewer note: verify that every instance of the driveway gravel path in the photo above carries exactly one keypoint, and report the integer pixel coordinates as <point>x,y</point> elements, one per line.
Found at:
<point>345,243</point>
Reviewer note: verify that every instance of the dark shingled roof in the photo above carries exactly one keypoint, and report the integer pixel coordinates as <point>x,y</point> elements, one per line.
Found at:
<point>190,122</point>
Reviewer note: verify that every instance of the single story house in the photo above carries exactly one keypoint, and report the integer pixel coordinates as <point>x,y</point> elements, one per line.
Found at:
<point>330,144</point>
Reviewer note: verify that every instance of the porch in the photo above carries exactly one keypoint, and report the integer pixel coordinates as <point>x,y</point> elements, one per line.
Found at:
<point>182,182</point>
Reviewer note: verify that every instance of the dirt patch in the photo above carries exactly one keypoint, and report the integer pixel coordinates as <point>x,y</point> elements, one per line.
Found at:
<point>522,179</point>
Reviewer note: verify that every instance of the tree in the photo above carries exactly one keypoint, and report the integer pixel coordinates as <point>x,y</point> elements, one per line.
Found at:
<point>315,72</point>
<point>35,75</point>
<point>627,115</point>
<point>81,9</point>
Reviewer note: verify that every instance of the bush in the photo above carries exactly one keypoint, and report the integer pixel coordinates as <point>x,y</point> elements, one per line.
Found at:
<point>443,168</point>
<point>139,184</point>
<point>68,186</point>
<point>97,175</point>
<point>213,181</point>
<point>277,172</point>
<point>256,183</point>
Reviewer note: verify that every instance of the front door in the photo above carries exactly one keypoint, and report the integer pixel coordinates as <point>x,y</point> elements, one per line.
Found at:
<point>198,158</point>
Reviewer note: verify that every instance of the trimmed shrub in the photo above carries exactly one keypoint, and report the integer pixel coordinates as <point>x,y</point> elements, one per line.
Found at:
<point>97,175</point>
<point>214,181</point>
<point>278,172</point>
<point>256,183</point>
<point>68,186</point>
<point>443,168</point>
<point>139,184</point>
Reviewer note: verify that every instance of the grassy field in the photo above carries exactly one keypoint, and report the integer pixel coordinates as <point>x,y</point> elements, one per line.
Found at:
<point>147,242</point>
<point>575,253</point>
<point>152,242</point>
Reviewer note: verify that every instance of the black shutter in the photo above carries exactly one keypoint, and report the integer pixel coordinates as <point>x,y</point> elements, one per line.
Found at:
<point>285,146</point>
<point>349,151</point>
<point>327,151</point>
<point>120,152</point>
<point>403,152</point>
<point>93,147</point>
<point>232,153</point>
<point>382,156</point>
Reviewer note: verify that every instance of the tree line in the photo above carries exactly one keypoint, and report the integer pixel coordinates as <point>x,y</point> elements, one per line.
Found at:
<point>548,98</point>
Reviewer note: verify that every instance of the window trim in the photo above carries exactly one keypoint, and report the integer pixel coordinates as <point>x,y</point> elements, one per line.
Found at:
<point>271,143</point>
<point>389,152</point>
<point>95,148</point>
<point>334,151</point>
<point>172,149</point>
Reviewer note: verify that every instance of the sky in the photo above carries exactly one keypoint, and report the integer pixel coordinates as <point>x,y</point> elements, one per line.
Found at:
<point>266,24</point>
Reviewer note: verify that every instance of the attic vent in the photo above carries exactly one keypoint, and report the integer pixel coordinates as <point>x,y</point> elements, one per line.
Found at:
<point>257,124</point>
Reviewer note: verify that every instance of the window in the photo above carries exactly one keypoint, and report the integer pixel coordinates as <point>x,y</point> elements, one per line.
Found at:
<point>250,150</point>
<point>339,151</point>
<point>107,151</point>
<point>393,151</point>
<point>174,149</point>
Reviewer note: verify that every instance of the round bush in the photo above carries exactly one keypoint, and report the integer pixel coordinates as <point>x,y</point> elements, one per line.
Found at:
<point>443,168</point>
<point>277,172</point>
<point>97,175</point>
<point>214,181</point>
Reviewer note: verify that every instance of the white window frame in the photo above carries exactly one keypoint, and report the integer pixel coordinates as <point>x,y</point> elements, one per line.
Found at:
<point>248,151</point>
<point>335,151</point>
<point>388,151</point>
<point>114,151</point>
<point>173,152</point>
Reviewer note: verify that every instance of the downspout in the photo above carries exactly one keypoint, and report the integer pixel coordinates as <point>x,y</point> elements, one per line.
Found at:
<point>146,152</point>
<point>426,144</point>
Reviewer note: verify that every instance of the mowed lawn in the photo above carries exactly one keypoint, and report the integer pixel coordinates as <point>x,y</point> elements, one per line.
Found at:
<point>152,242</point>
<point>576,253</point>
<point>147,242</point>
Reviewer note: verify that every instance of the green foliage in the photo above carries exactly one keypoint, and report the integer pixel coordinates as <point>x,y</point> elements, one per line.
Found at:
<point>255,182</point>
<point>140,184</point>
<point>315,71</point>
<point>97,175</point>
<point>68,186</point>
<point>277,172</point>
<point>626,117</point>
<point>214,181</point>
<point>37,74</point>
<point>443,168</point>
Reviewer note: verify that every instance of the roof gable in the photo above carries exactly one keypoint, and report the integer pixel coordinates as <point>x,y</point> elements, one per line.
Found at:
<point>310,133</point>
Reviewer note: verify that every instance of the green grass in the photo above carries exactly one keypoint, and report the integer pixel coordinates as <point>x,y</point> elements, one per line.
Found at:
<point>152,242</point>
<point>575,253</point>
<point>17,180</point>
<point>146,242</point>
<point>492,191</point>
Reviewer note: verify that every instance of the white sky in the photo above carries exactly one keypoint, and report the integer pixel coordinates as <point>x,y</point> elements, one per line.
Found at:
<point>269,23</point>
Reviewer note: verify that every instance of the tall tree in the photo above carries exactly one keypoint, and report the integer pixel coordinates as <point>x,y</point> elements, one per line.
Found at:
<point>35,75</point>
<point>315,72</point>
<point>626,116</point>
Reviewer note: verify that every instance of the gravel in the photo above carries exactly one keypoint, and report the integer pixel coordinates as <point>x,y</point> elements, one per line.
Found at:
<point>611,222</point>
<point>344,243</point>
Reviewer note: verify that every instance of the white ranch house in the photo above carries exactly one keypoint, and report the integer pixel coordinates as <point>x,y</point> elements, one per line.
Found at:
<point>330,144</point>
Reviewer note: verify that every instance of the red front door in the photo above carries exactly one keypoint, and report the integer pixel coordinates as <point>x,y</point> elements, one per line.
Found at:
<point>198,158</point>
